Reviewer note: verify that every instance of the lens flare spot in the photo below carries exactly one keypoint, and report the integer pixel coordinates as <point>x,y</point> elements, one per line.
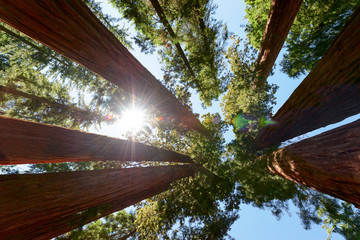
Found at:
<point>109,117</point>
<point>246,122</point>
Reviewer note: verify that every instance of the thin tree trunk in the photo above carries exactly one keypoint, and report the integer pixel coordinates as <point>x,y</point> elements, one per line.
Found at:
<point>71,29</point>
<point>24,40</point>
<point>42,206</point>
<point>156,5</point>
<point>23,142</point>
<point>281,17</point>
<point>329,163</point>
<point>128,235</point>
<point>329,94</point>
<point>75,112</point>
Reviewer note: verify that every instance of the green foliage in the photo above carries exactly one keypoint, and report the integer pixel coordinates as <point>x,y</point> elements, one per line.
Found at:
<point>113,24</point>
<point>30,67</point>
<point>196,204</point>
<point>257,13</point>
<point>243,96</point>
<point>201,37</point>
<point>206,205</point>
<point>114,226</point>
<point>340,217</point>
<point>315,27</point>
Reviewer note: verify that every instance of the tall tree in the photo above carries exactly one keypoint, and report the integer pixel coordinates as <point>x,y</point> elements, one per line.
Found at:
<point>37,71</point>
<point>248,110</point>
<point>329,94</point>
<point>327,162</point>
<point>45,205</point>
<point>111,60</point>
<point>314,28</point>
<point>188,25</point>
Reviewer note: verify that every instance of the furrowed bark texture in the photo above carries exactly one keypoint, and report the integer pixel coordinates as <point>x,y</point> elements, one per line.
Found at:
<point>329,163</point>
<point>329,94</point>
<point>281,17</point>
<point>43,206</point>
<point>71,29</point>
<point>23,142</point>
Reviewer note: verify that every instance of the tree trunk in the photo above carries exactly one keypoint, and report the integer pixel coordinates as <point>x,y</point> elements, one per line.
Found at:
<point>23,142</point>
<point>75,112</point>
<point>24,40</point>
<point>71,29</point>
<point>43,206</point>
<point>329,94</point>
<point>281,17</point>
<point>156,5</point>
<point>328,163</point>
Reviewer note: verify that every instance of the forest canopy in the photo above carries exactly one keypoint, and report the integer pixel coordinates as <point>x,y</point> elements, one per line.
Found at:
<point>198,55</point>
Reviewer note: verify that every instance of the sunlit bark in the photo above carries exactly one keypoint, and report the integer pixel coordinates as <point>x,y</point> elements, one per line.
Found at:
<point>71,29</point>
<point>24,142</point>
<point>329,94</point>
<point>329,162</point>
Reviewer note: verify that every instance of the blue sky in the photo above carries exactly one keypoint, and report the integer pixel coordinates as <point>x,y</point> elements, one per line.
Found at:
<point>254,223</point>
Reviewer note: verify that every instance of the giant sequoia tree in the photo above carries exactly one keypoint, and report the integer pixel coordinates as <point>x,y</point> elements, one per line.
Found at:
<point>36,70</point>
<point>36,84</point>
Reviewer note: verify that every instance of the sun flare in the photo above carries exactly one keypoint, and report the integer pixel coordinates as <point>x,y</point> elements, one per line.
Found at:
<point>133,119</point>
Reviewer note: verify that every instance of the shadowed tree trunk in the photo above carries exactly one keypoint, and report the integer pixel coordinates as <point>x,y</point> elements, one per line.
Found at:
<point>75,112</point>
<point>71,29</point>
<point>24,142</point>
<point>329,94</point>
<point>281,17</point>
<point>329,163</point>
<point>42,206</point>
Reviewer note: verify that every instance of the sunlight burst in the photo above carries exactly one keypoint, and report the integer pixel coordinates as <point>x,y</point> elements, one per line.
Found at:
<point>133,120</point>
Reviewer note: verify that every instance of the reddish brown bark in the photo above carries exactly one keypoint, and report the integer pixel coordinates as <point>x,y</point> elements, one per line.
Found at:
<point>42,206</point>
<point>329,163</point>
<point>71,29</point>
<point>329,94</point>
<point>281,17</point>
<point>24,142</point>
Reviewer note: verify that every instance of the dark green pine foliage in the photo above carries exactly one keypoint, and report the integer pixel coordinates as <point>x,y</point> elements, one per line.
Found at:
<point>201,37</point>
<point>315,27</point>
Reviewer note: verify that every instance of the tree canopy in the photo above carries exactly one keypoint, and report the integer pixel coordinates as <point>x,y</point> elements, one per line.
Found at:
<point>40,85</point>
<point>188,25</point>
